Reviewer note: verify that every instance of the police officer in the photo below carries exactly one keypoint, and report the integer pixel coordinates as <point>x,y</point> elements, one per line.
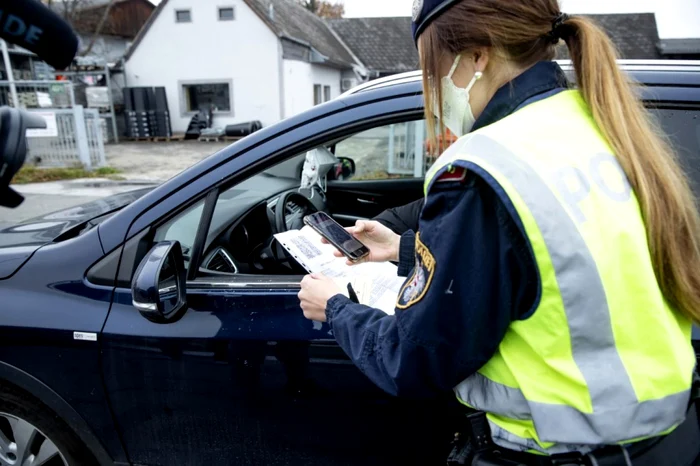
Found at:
<point>556,273</point>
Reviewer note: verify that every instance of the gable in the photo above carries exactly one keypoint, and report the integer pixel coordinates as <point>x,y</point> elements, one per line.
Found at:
<point>292,23</point>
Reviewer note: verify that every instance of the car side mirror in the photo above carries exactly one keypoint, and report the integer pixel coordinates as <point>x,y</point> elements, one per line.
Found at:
<point>158,286</point>
<point>348,167</point>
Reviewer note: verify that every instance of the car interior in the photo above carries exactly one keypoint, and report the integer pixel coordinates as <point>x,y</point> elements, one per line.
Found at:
<point>371,171</point>
<point>248,215</point>
<point>364,174</point>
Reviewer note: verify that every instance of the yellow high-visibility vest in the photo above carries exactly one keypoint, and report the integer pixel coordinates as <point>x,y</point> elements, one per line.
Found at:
<point>604,359</point>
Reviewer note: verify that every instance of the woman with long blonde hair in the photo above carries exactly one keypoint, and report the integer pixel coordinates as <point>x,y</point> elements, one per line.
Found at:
<point>555,275</point>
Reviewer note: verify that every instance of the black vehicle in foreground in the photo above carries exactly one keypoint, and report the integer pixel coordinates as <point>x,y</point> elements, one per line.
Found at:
<point>209,360</point>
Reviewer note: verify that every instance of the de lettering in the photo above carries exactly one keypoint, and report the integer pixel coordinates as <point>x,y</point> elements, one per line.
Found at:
<point>15,26</point>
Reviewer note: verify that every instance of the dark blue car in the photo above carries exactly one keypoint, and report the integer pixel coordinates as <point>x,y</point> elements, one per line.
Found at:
<point>162,327</point>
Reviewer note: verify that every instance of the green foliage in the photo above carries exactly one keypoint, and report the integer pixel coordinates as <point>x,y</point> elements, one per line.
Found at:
<point>31,174</point>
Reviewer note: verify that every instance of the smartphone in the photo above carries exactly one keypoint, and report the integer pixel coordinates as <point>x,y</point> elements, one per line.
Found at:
<point>325,226</point>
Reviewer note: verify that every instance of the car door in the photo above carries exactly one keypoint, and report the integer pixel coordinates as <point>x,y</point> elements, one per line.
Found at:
<point>243,378</point>
<point>389,167</point>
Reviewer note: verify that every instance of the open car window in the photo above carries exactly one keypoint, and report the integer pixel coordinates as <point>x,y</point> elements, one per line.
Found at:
<point>398,150</point>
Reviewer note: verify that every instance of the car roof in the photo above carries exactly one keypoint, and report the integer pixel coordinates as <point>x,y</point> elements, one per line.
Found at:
<point>650,72</point>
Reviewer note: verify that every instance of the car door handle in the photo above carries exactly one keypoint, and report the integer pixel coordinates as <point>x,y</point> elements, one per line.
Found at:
<point>366,201</point>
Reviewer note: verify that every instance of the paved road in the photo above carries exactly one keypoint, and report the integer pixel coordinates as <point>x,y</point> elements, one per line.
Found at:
<point>158,160</point>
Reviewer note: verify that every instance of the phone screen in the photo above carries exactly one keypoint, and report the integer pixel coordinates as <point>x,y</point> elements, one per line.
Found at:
<point>336,235</point>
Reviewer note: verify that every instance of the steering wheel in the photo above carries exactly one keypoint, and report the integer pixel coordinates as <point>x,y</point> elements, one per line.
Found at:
<point>273,256</point>
<point>285,222</point>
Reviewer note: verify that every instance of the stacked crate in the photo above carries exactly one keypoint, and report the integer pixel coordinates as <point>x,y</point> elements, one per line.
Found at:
<point>162,114</point>
<point>146,111</point>
<point>136,121</point>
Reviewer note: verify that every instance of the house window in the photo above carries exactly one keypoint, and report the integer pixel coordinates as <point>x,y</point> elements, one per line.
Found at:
<point>183,16</point>
<point>202,96</point>
<point>226,14</point>
<point>318,94</point>
<point>326,93</point>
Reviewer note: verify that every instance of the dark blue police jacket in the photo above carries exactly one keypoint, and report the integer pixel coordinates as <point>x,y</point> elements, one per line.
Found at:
<point>485,276</point>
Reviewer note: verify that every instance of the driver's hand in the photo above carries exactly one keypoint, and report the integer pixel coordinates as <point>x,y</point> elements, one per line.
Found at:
<point>383,244</point>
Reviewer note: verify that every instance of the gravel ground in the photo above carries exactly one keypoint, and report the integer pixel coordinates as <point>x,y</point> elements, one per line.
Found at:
<point>158,161</point>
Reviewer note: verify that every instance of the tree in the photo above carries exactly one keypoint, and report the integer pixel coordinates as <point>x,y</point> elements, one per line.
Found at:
<point>324,8</point>
<point>98,29</point>
<point>80,12</point>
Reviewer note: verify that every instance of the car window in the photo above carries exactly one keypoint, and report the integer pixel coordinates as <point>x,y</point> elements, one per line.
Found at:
<point>391,151</point>
<point>682,126</point>
<point>183,228</point>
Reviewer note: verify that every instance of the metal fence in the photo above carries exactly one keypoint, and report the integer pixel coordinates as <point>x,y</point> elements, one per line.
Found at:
<point>96,89</point>
<point>63,94</point>
<point>73,137</point>
<point>38,94</point>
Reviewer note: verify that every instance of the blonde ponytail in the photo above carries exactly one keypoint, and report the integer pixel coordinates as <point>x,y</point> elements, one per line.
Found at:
<point>524,32</point>
<point>664,194</point>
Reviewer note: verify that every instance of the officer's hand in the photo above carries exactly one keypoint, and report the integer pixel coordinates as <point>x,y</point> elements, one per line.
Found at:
<point>316,290</point>
<point>383,243</point>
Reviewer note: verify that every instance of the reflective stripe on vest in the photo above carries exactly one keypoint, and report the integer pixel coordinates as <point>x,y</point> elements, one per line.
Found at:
<point>616,414</point>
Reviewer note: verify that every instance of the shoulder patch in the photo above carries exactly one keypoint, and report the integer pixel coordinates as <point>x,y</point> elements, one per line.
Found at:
<point>452,174</point>
<point>418,283</point>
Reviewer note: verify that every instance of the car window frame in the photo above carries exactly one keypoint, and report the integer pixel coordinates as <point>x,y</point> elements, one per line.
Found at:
<point>139,227</point>
<point>422,119</point>
<point>139,235</point>
<point>268,281</point>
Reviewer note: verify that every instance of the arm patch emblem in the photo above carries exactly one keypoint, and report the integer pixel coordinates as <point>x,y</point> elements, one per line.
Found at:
<point>418,283</point>
<point>452,174</point>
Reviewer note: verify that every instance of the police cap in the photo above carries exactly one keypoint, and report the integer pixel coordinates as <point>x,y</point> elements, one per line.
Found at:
<point>425,11</point>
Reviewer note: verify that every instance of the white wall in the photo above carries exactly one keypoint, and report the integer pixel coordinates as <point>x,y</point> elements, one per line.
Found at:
<point>299,80</point>
<point>327,77</point>
<point>298,90</point>
<point>676,19</point>
<point>244,51</point>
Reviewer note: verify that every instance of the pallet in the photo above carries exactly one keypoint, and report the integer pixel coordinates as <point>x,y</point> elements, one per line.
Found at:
<point>219,138</point>
<point>173,138</point>
<point>209,138</point>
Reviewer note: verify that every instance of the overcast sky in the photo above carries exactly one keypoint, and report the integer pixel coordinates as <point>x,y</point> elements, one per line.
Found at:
<point>675,18</point>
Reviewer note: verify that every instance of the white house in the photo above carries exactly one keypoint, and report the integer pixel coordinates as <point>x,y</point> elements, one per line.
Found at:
<point>252,59</point>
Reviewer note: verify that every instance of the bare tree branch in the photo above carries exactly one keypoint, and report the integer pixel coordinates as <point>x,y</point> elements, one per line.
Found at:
<point>98,29</point>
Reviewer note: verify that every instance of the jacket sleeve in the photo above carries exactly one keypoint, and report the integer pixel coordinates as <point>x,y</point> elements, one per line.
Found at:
<point>472,278</point>
<point>403,218</point>
<point>407,258</point>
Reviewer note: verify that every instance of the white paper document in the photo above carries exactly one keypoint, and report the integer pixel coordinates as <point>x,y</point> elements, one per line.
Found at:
<point>376,284</point>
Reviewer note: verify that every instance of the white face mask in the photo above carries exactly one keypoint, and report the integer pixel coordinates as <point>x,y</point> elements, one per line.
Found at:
<point>457,113</point>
